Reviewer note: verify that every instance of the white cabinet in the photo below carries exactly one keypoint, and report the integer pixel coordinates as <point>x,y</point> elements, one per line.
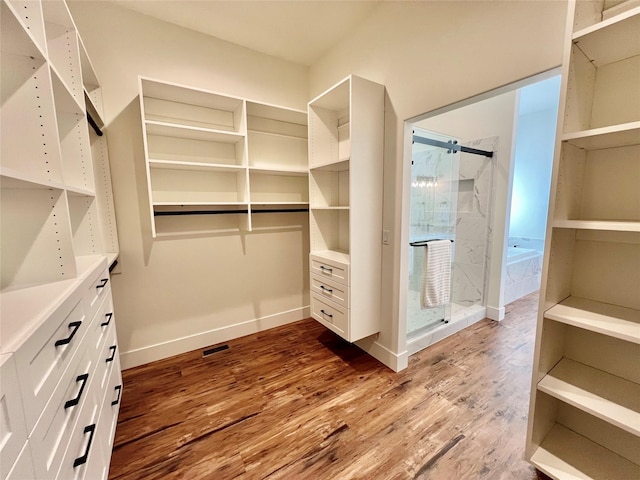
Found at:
<point>58,238</point>
<point>346,129</point>
<point>584,417</point>
<point>213,161</point>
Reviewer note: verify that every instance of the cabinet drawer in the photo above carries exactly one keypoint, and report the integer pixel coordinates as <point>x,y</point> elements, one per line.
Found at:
<point>23,467</point>
<point>329,314</point>
<point>96,287</point>
<point>14,431</point>
<point>51,435</point>
<point>84,448</point>
<point>107,358</point>
<point>330,290</point>
<point>111,405</point>
<point>45,355</point>
<point>329,268</point>
<point>102,324</point>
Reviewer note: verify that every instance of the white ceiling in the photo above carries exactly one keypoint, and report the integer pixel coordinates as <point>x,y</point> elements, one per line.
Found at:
<point>296,30</point>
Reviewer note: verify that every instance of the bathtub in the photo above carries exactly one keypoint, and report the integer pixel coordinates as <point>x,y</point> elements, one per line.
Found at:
<point>516,254</point>
<point>522,273</point>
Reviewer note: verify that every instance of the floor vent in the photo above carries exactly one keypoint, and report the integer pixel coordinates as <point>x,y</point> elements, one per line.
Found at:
<point>211,351</point>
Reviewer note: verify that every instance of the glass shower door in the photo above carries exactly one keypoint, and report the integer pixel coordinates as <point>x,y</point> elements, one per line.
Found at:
<point>433,214</point>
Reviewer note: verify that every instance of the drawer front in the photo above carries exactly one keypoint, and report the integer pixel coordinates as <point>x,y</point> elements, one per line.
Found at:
<point>330,290</point>
<point>51,435</point>
<point>107,358</point>
<point>14,430</point>
<point>41,360</point>
<point>84,448</point>
<point>102,324</point>
<point>111,406</point>
<point>331,315</point>
<point>329,269</point>
<point>23,467</point>
<point>96,288</point>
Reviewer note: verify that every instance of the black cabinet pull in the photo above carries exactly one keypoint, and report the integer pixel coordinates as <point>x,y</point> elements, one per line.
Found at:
<point>108,317</point>
<point>64,341</point>
<point>326,314</point>
<point>118,388</point>
<point>74,401</point>
<point>113,354</point>
<point>326,269</point>
<point>325,289</point>
<point>103,283</point>
<point>83,459</point>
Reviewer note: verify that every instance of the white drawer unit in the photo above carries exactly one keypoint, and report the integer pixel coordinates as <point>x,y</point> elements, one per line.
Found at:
<point>330,315</point>
<point>70,391</point>
<point>330,290</point>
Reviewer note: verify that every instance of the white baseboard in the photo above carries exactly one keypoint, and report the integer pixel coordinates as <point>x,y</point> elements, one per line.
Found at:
<point>140,356</point>
<point>496,314</point>
<point>395,361</point>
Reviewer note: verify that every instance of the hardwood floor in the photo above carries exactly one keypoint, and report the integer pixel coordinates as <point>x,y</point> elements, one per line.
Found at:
<point>297,402</point>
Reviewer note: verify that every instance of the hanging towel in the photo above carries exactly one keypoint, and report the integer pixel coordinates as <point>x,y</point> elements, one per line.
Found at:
<point>436,274</point>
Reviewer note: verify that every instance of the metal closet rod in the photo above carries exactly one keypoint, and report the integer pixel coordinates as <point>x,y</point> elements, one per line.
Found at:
<point>227,212</point>
<point>94,125</point>
<point>450,145</point>
<point>422,243</point>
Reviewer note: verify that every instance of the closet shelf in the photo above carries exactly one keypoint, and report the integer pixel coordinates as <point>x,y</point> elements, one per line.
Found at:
<point>293,172</point>
<point>79,191</point>
<point>198,166</point>
<point>605,225</point>
<point>254,132</point>
<point>340,207</point>
<point>192,133</point>
<point>605,396</point>
<point>565,454</point>
<point>611,40</point>
<point>15,37</point>
<point>92,110</point>
<point>203,204</point>
<point>606,137</point>
<point>611,320</point>
<point>335,255</point>
<point>10,178</point>
<point>341,165</point>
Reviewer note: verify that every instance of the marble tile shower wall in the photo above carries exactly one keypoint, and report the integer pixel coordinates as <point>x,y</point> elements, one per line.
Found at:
<point>473,224</point>
<point>522,277</point>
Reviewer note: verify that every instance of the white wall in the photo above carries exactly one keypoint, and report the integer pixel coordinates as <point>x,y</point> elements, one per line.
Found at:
<point>535,142</point>
<point>495,116</point>
<point>429,55</point>
<point>176,295</point>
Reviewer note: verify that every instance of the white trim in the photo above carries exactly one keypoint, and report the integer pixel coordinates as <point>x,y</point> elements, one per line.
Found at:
<point>159,351</point>
<point>395,361</point>
<point>496,314</point>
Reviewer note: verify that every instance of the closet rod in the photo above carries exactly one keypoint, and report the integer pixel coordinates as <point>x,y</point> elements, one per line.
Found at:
<point>451,145</point>
<point>422,243</point>
<point>228,212</point>
<point>94,125</point>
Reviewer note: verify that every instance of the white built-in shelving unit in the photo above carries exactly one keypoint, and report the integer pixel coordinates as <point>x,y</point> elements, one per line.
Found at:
<point>213,161</point>
<point>346,129</point>
<point>584,420</point>
<point>58,238</point>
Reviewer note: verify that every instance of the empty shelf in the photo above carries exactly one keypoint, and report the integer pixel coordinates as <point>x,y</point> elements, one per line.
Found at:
<point>607,225</point>
<point>605,396</point>
<point>562,449</point>
<point>606,137</point>
<point>611,320</point>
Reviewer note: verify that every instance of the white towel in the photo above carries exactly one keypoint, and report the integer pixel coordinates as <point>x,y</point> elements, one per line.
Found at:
<point>436,274</point>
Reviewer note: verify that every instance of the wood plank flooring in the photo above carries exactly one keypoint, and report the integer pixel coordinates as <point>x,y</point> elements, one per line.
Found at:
<point>297,402</point>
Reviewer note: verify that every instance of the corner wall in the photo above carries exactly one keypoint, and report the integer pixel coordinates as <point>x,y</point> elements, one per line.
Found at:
<point>175,295</point>
<point>429,55</point>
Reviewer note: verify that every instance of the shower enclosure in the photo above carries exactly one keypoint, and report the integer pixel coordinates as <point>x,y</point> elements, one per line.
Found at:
<point>450,199</point>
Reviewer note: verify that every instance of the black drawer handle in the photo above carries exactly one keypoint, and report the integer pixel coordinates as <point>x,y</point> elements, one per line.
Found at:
<point>83,459</point>
<point>103,283</point>
<point>325,289</point>
<point>326,314</point>
<point>74,401</point>
<point>118,388</point>
<point>108,317</point>
<point>326,269</point>
<point>113,354</point>
<point>64,341</point>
